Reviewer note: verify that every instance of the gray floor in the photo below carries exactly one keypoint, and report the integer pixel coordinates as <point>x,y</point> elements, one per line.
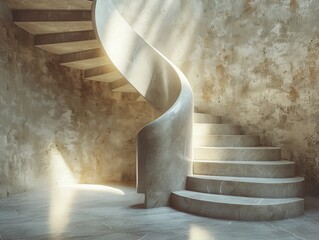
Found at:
<point>92,212</point>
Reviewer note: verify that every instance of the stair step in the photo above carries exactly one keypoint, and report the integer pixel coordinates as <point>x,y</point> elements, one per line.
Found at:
<point>248,187</point>
<point>226,141</point>
<point>51,15</point>
<point>237,208</point>
<point>141,99</point>
<point>83,55</point>
<point>126,88</point>
<point>263,169</point>
<point>238,153</point>
<point>216,129</point>
<point>50,5</point>
<point>118,83</point>
<point>106,77</point>
<point>107,73</point>
<point>38,28</point>
<point>206,118</point>
<point>87,63</point>
<point>54,38</point>
<point>99,70</point>
<point>70,47</point>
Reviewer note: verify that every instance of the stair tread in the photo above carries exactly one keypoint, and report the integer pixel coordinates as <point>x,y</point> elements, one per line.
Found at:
<point>141,99</point>
<point>250,179</point>
<point>234,200</point>
<point>70,47</point>
<point>206,114</point>
<point>87,63</point>
<point>217,124</point>
<point>206,118</point>
<point>50,5</point>
<point>230,135</point>
<point>220,140</point>
<point>106,77</point>
<point>37,28</point>
<point>278,162</point>
<point>246,148</point>
<point>126,88</point>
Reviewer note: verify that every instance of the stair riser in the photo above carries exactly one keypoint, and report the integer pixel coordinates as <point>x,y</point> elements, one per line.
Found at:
<point>206,118</point>
<point>216,129</point>
<point>83,55</point>
<point>247,189</point>
<point>226,141</point>
<point>50,15</point>
<point>243,170</point>
<point>238,212</point>
<point>55,38</point>
<point>69,47</point>
<point>237,154</point>
<point>39,28</point>
<point>86,64</point>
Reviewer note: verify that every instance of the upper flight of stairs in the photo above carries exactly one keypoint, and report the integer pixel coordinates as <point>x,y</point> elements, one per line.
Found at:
<point>65,28</point>
<point>236,178</point>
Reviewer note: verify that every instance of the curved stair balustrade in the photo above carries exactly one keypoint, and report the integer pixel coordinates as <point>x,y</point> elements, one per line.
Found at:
<point>164,146</point>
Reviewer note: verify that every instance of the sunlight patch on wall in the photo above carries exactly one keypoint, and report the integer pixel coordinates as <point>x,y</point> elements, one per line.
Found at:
<point>61,198</point>
<point>60,173</point>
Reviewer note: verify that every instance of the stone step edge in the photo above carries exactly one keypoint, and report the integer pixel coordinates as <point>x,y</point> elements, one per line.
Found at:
<point>255,187</point>
<point>235,200</point>
<point>256,180</point>
<point>247,209</point>
<point>271,162</point>
<point>241,148</point>
<point>216,124</point>
<point>228,135</point>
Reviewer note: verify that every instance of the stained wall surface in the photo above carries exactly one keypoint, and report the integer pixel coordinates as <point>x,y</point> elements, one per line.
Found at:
<point>254,62</point>
<point>56,128</point>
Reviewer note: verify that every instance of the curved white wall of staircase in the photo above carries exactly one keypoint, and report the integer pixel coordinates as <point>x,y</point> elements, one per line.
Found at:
<point>165,145</point>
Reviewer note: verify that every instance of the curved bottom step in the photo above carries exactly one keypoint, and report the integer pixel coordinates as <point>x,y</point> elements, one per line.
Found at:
<point>247,187</point>
<point>237,208</point>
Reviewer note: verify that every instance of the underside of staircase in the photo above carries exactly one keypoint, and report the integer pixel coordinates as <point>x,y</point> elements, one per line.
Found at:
<point>65,28</point>
<point>233,176</point>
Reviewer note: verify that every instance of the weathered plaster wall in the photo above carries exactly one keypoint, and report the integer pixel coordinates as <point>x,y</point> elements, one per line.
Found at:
<point>53,123</point>
<point>255,62</point>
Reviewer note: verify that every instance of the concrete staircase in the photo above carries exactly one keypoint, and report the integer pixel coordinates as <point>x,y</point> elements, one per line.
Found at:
<point>65,28</point>
<point>236,178</point>
<point>233,177</point>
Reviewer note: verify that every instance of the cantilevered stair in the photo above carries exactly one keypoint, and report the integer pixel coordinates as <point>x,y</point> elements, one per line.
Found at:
<point>65,28</point>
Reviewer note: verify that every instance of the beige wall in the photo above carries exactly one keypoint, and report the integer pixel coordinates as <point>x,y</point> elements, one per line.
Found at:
<point>52,121</point>
<point>253,62</point>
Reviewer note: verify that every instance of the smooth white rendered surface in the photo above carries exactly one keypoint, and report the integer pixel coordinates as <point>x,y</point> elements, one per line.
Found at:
<point>165,146</point>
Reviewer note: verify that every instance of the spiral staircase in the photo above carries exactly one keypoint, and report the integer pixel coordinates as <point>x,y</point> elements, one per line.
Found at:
<point>226,175</point>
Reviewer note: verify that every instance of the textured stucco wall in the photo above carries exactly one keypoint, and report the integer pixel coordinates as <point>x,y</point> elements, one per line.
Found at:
<point>53,123</point>
<point>255,62</point>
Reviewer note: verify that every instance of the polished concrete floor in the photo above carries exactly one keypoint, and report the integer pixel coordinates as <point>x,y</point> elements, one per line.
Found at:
<point>104,212</point>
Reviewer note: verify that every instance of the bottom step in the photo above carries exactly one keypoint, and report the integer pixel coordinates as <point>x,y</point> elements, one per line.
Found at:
<point>237,208</point>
